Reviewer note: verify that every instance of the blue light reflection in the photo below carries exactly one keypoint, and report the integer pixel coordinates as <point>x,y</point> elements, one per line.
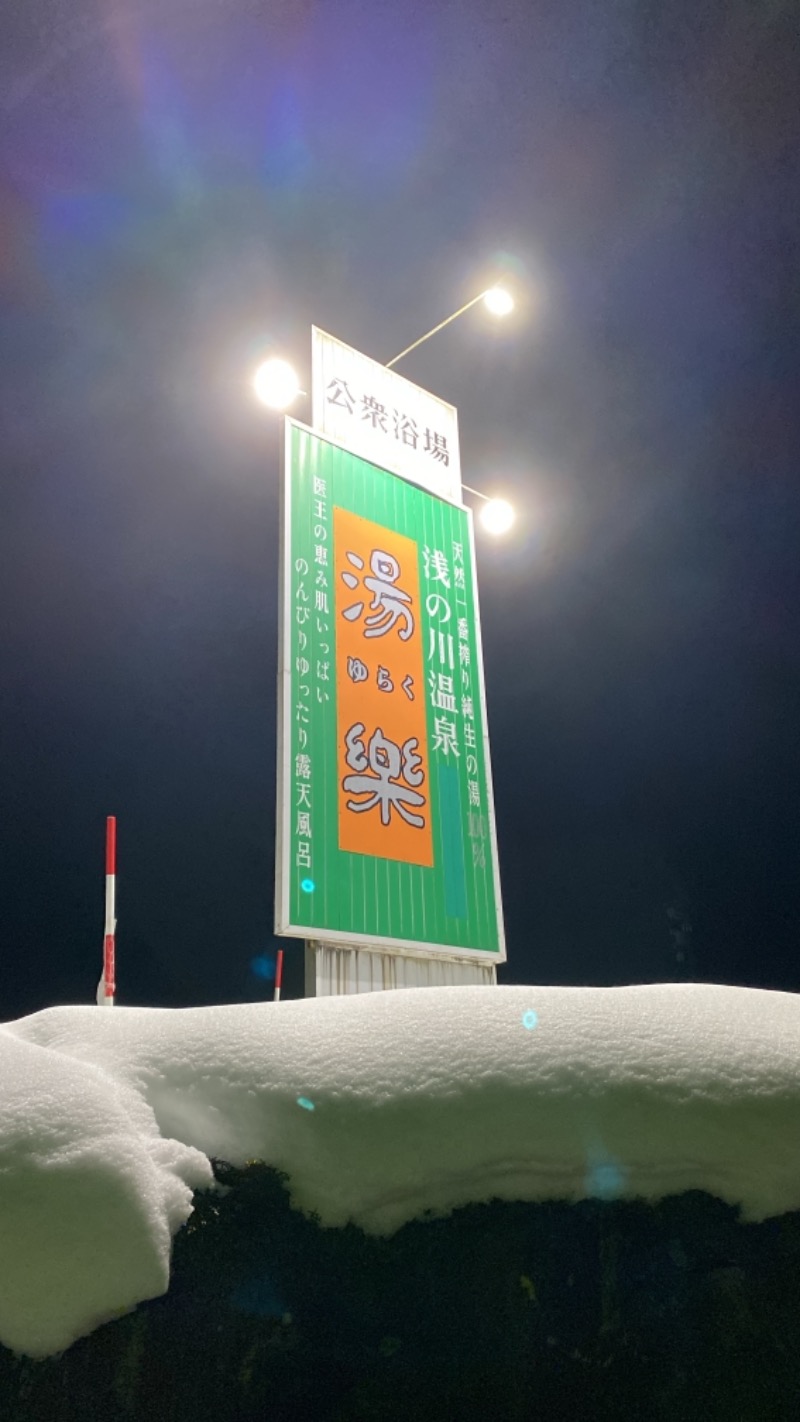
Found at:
<point>263,966</point>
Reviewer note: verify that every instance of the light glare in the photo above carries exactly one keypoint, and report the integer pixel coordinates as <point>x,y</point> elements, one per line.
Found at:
<point>276,383</point>
<point>498,301</point>
<point>497,516</point>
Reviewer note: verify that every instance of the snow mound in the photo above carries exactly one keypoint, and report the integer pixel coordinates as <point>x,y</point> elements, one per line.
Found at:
<point>379,1108</point>
<point>90,1196</point>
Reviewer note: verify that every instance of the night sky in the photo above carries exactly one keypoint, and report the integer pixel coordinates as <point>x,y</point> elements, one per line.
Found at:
<point>184,189</point>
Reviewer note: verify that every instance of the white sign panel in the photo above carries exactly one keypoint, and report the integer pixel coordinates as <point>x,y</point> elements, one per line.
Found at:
<point>384,418</point>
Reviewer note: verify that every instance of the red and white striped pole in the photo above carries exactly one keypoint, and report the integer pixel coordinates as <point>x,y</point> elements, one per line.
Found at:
<point>278,976</point>
<point>107,985</point>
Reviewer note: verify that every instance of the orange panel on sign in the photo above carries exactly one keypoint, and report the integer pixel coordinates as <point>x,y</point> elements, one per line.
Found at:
<point>384,791</point>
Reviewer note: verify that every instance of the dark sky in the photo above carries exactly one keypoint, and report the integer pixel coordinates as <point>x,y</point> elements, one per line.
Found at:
<point>185,185</point>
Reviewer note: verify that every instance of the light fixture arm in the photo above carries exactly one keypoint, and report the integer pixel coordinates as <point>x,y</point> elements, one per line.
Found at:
<point>477,493</point>
<point>441,325</point>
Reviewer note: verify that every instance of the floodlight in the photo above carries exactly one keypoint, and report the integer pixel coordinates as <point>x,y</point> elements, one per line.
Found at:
<point>497,516</point>
<point>499,301</point>
<point>276,383</point>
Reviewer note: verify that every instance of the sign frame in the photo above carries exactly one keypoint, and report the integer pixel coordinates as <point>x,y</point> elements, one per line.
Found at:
<point>284,926</point>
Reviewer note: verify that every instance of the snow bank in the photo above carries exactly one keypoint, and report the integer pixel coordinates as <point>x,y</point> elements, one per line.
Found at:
<point>90,1196</point>
<point>379,1108</point>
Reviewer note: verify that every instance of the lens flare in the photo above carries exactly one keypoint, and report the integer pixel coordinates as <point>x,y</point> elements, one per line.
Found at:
<point>263,966</point>
<point>605,1182</point>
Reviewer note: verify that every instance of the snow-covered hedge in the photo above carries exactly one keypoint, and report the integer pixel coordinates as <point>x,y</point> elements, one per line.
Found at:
<point>591,1310</point>
<point>378,1110</point>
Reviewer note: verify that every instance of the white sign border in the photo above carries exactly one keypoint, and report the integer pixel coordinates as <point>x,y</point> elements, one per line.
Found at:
<point>284,928</point>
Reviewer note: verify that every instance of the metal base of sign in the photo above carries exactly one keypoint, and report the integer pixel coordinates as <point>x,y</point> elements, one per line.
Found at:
<point>333,972</point>
<point>310,971</point>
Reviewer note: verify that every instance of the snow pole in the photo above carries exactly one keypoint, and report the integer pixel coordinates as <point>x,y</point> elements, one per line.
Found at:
<point>107,986</point>
<point>278,976</point>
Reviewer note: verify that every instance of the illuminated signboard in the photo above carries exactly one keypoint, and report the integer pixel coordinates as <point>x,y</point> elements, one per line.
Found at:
<point>385,818</point>
<point>383,417</point>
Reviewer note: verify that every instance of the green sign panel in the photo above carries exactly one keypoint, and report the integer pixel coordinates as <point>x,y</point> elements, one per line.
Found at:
<point>386,831</point>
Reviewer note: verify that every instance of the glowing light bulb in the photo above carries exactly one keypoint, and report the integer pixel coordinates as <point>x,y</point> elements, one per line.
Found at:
<point>499,301</point>
<point>276,383</point>
<point>497,516</point>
